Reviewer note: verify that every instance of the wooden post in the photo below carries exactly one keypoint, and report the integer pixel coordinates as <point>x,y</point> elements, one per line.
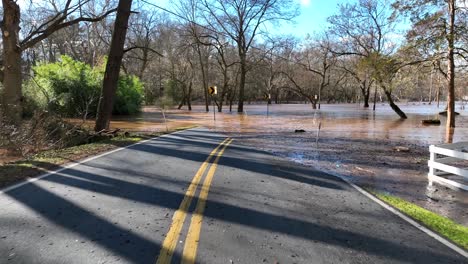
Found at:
<point>214,108</point>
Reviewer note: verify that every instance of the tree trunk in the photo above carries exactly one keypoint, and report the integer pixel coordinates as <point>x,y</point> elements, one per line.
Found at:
<point>12,78</point>
<point>366,99</point>
<point>451,68</point>
<point>393,105</point>
<point>184,96</point>
<point>144,63</point>
<point>189,96</point>
<point>375,97</point>
<point>221,100</point>
<point>205,83</point>
<point>319,96</point>
<point>438,92</point>
<point>220,106</point>
<point>243,73</point>
<point>430,89</point>
<point>365,93</point>
<point>111,75</point>
<point>182,103</point>
<point>312,101</point>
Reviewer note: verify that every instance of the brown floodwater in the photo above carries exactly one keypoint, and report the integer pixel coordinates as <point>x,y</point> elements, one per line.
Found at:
<point>345,120</point>
<point>352,142</point>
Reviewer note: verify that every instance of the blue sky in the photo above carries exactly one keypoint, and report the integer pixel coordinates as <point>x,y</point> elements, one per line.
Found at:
<point>313,17</point>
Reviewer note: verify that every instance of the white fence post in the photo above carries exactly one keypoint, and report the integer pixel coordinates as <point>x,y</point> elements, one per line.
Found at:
<point>432,158</point>
<point>455,152</point>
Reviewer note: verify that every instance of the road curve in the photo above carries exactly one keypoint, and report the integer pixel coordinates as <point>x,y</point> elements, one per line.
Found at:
<point>198,197</point>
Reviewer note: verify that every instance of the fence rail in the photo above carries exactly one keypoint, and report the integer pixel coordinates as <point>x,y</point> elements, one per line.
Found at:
<point>440,170</point>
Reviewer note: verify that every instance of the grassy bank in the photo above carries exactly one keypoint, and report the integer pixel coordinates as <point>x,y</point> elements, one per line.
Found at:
<point>440,224</point>
<point>35,165</point>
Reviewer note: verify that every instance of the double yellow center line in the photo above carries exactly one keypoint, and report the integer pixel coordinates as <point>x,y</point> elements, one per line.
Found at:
<point>193,235</point>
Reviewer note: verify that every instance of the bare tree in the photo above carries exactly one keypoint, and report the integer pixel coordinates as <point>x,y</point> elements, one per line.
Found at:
<point>318,60</point>
<point>190,10</point>
<point>224,63</point>
<point>364,30</point>
<point>240,20</point>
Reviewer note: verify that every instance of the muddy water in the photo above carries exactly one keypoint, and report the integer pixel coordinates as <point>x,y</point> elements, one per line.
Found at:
<point>356,143</point>
<point>350,121</point>
<point>353,142</point>
<point>359,144</point>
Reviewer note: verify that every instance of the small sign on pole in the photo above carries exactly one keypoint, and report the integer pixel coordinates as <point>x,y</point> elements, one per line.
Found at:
<point>213,90</point>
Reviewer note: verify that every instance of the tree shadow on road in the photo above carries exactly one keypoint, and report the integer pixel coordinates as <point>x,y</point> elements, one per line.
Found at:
<point>169,199</point>
<point>74,207</point>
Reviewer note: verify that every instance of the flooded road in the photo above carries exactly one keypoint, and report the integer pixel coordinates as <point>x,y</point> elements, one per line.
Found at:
<point>353,142</point>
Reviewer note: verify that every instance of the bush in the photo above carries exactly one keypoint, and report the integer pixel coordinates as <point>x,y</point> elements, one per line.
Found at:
<point>33,100</point>
<point>129,97</point>
<point>72,88</point>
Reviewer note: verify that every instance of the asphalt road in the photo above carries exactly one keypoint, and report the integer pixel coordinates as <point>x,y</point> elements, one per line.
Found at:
<point>197,196</point>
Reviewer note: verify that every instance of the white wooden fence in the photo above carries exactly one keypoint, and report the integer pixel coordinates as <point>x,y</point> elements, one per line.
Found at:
<point>439,169</point>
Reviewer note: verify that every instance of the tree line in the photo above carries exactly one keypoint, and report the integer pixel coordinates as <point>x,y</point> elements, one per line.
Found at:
<point>181,49</point>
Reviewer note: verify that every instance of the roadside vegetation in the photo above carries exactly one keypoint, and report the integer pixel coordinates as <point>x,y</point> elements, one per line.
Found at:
<point>38,163</point>
<point>440,224</point>
<point>71,88</point>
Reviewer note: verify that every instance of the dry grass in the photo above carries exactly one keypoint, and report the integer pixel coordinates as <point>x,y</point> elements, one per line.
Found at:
<point>36,164</point>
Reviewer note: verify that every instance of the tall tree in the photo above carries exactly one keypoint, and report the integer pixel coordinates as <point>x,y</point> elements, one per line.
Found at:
<point>114,61</point>
<point>240,20</point>
<point>318,59</point>
<point>444,23</point>
<point>12,60</point>
<point>190,10</point>
<point>365,30</point>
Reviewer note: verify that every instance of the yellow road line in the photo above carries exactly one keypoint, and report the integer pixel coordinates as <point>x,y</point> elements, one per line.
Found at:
<point>170,242</point>
<point>193,235</point>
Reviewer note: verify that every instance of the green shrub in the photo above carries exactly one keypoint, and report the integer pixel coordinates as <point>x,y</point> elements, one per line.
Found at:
<point>129,96</point>
<point>33,100</point>
<point>72,88</point>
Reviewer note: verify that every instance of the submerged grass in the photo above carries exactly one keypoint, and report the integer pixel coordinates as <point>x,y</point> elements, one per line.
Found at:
<point>442,225</point>
<point>37,164</point>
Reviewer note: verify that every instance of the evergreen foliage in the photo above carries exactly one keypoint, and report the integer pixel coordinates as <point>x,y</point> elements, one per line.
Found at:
<point>72,88</point>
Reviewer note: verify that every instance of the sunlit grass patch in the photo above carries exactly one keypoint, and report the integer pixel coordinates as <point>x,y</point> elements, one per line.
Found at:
<point>440,224</point>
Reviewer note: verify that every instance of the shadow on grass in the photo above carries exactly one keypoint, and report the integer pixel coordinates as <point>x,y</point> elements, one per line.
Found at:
<point>50,160</point>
